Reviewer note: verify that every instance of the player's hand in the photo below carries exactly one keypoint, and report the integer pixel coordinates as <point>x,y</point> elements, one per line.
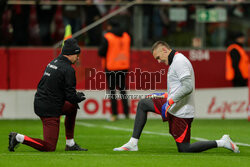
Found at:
<point>165,108</point>
<point>81,96</point>
<point>157,95</point>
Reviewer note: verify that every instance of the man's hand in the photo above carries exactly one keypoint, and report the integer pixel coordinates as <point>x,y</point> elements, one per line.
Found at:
<point>165,108</point>
<point>81,96</point>
<point>157,95</point>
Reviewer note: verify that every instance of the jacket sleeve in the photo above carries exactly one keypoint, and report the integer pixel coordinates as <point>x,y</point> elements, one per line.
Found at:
<point>185,89</point>
<point>102,51</point>
<point>183,72</point>
<point>70,86</point>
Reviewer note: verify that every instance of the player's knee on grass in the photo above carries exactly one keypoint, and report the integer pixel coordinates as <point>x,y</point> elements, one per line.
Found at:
<point>50,148</point>
<point>183,147</point>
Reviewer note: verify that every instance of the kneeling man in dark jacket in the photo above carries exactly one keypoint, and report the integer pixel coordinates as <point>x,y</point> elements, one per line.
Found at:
<point>56,95</point>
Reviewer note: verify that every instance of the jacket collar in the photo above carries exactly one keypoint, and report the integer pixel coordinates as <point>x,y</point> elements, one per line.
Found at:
<point>63,58</point>
<point>171,56</point>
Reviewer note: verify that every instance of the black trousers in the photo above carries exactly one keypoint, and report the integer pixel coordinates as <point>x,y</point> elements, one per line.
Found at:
<point>239,82</point>
<point>117,79</point>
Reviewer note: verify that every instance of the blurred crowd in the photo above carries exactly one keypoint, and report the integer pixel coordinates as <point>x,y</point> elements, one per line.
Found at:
<point>43,25</point>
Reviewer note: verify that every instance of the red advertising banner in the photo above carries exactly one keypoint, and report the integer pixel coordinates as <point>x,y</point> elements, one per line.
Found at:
<point>3,69</point>
<point>22,68</point>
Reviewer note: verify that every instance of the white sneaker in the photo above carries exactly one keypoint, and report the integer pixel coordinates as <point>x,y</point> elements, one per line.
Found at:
<point>229,144</point>
<point>127,147</point>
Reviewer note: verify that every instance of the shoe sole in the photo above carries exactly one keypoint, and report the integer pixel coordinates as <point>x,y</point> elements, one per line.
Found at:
<point>123,149</point>
<point>235,148</point>
<point>10,147</point>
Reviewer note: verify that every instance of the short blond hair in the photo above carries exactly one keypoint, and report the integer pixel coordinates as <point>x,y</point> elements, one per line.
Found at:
<point>158,43</point>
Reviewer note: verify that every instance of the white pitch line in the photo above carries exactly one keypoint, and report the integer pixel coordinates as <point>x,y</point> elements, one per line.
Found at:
<point>86,124</point>
<point>146,132</point>
<point>242,144</point>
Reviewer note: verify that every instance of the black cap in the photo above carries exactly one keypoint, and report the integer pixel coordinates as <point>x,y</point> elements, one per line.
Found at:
<point>70,47</point>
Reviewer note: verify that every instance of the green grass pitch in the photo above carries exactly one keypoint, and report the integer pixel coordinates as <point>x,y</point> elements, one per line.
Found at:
<point>156,147</point>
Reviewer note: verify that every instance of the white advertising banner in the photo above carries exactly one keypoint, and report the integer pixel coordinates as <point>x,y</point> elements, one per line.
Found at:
<point>221,103</point>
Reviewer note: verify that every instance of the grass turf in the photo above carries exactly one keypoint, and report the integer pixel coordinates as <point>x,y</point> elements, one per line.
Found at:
<point>154,149</point>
